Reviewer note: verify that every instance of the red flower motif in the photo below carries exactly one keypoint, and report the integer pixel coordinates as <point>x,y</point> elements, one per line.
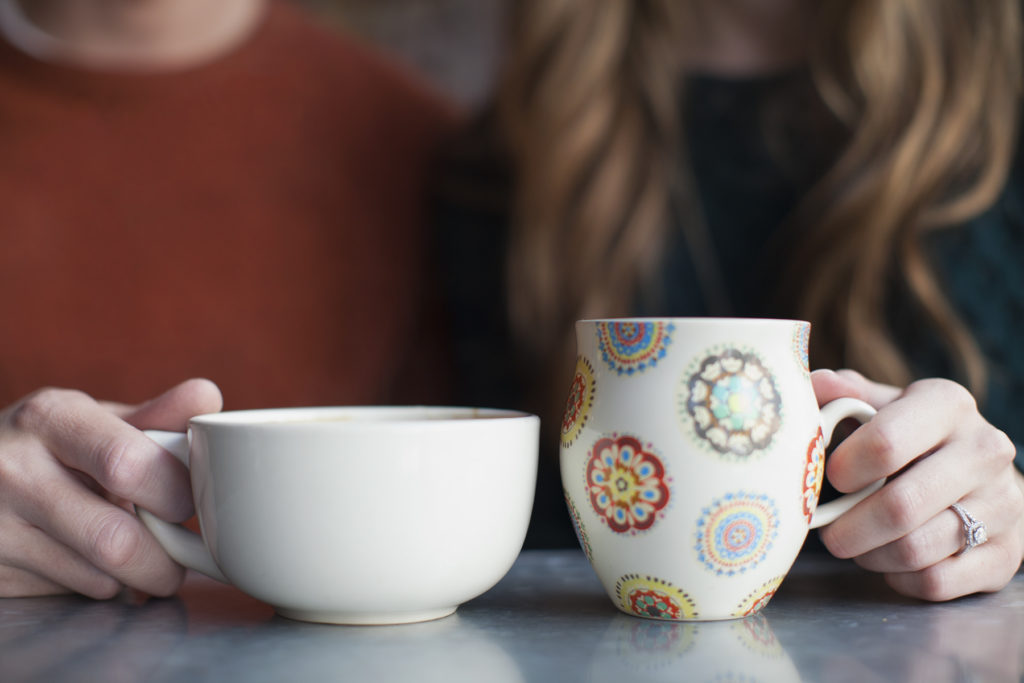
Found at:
<point>581,399</point>
<point>627,484</point>
<point>814,474</point>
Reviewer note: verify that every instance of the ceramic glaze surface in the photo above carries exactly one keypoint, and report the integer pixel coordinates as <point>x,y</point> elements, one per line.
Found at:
<point>692,457</point>
<point>382,515</point>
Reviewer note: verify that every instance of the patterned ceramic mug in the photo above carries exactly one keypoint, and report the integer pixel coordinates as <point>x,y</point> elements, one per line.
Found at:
<point>692,457</point>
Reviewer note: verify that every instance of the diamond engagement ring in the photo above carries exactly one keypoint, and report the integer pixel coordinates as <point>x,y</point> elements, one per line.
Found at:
<point>974,530</point>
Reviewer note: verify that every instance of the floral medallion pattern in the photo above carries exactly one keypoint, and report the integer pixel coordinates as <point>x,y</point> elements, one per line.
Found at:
<point>733,402</point>
<point>802,346</point>
<point>577,525</point>
<point>629,347</point>
<point>647,596</point>
<point>814,474</point>
<point>627,483</point>
<point>759,598</point>
<point>735,532</point>
<point>579,402</point>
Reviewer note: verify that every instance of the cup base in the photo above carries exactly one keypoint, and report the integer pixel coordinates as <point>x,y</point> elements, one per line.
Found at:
<point>688,620</point>
<point>364,618</point>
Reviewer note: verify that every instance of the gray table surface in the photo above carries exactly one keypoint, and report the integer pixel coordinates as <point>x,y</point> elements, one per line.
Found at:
<point>548,620</point>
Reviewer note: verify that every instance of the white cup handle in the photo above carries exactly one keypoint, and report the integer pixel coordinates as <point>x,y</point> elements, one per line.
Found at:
<point>832,413</point>
<point>185,547</point>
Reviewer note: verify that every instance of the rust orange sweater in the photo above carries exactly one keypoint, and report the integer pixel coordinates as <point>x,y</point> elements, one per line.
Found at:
<point>259,221</point>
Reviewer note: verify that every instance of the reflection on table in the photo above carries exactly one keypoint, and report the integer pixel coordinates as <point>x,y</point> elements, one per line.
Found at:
<point>549,619</point>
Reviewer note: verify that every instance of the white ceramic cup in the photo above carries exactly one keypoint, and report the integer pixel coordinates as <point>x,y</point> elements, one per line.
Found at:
<point>692,458</point>
<point>357,515</point>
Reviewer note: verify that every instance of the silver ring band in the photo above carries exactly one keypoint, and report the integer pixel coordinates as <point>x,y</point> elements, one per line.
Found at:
<point>975,532</point>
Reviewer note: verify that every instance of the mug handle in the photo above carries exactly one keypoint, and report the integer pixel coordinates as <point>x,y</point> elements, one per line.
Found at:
<point>185,547</point>
<point>832,413</point>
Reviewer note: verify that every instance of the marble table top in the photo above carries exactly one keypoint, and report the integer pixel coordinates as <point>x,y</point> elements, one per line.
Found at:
<point>547,620</point>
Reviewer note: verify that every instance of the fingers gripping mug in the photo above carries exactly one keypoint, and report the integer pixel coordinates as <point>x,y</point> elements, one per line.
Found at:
<point>692,457</point>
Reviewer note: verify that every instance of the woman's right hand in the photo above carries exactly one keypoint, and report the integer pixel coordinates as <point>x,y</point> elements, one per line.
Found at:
<point>70,468</point>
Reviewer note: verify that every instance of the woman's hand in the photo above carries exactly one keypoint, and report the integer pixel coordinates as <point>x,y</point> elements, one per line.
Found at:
<point>69,468</point>
<point>936,449</point>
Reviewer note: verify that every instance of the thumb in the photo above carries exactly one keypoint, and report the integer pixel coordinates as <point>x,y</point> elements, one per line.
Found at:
<point>830,385</point>
<point>172,409</point>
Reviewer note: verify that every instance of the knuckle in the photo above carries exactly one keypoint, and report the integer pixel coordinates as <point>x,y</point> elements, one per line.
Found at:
<point>1013,501</point>
<point>17,477</point>
<point>961,396</point>
<point>102,588</point>
<point>835,542</point>
<point>115,544</point>
<point>936,584</point>
<point>953,393</point>
<point>119,550</point>
<point>41,407</point>
<point>849,374</point>
<point>882,443</point>
<point>119,469</point>
<point>1007,565</point>
<point>913,552</point>
<point>901,504</point>
<point>995,444</point>
<point>168,583</point>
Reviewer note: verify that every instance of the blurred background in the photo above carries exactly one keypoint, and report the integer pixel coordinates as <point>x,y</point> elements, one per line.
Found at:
<point>454,43</point>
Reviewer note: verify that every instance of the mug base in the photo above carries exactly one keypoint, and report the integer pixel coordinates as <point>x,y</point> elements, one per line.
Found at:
<point>364,618</point>
<point>687,620</point>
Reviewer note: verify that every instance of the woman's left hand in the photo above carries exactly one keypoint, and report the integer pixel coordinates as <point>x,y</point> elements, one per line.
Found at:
<point>936,449</point>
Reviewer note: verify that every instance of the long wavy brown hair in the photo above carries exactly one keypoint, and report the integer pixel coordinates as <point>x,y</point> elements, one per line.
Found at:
<point>926,91</point>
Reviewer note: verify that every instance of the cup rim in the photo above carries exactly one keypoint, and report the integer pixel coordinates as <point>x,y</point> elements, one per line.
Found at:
<point>361,416</point>
<point>696,320</point>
